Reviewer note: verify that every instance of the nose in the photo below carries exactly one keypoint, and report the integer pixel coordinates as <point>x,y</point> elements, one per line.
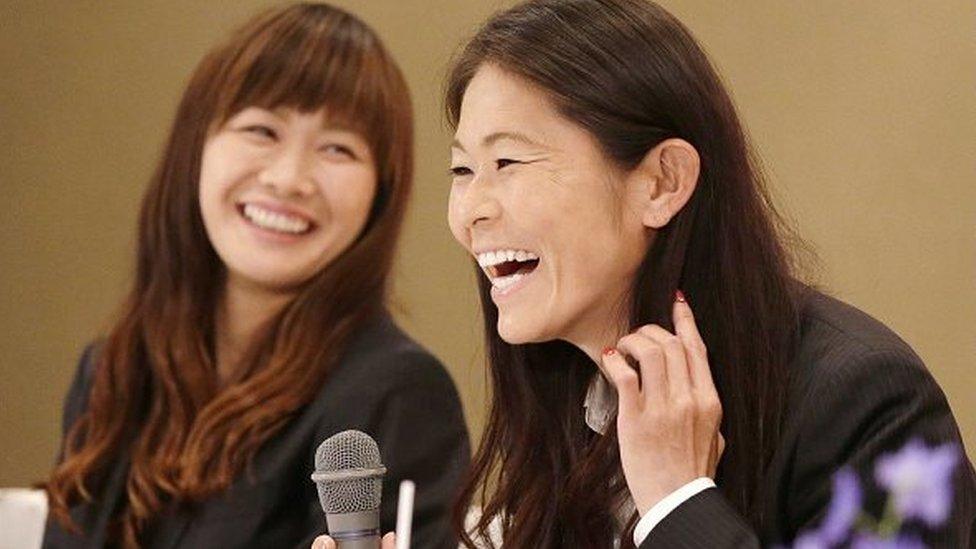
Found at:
<point>287,172</point>
<point>478,204</point>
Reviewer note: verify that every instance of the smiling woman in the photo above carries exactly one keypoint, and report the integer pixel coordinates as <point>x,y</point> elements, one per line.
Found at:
<point>258,151</point>
<point>256,326</point>
<point>517,195</point>
<point>282,194</point>
<point>660,376</point>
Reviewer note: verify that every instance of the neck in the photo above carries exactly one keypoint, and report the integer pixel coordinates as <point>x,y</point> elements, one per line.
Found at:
<point>604,330</point>
<point>244,308</point>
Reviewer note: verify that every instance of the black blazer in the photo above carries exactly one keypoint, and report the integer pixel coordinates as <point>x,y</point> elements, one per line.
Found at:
<point>386,385</point>
<point>857,391</point>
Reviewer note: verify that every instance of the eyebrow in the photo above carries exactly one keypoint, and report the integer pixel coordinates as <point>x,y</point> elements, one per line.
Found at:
<point>493,138</point>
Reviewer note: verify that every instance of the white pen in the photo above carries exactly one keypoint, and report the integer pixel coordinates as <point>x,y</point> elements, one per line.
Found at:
<point>404,514</point>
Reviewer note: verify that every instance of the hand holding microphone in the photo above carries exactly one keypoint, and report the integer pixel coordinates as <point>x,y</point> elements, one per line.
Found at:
<point>325,542</point>
<point>349,476</point>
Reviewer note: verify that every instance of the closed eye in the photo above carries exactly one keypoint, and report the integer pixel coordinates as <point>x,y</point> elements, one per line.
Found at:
<point>340,150</point>
<point>260,130</point>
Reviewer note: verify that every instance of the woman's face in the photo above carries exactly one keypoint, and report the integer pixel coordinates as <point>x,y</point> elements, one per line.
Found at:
<point>545,213</point>
<point>283,193</point>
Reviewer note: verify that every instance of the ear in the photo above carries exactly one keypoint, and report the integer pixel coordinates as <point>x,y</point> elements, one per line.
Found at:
<point>665,179</point>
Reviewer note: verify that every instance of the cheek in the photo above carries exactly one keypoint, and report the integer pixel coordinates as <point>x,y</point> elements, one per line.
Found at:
<point>208,191</point>
<point>351,194</point>
<point>216,173</point>
<point>454,218</point>
<point>361,201</point>
<point>207,169</point>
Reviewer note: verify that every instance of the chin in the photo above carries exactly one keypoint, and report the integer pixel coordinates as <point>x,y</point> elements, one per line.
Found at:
<point>509,333</point>
<point>274,280</point>
<point>513,339</point>
<point>515,334</point>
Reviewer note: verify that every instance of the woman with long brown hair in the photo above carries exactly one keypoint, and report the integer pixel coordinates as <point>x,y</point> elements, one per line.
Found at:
<point>647,335</point>
<point>256,325</point>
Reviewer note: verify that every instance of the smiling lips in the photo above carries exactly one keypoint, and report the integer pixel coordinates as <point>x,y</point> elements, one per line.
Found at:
<point>506,267</point>
<point>275,221</point>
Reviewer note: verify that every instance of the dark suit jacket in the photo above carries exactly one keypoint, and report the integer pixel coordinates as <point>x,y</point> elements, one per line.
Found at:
<point>857,391</point>
<point>386,385</point>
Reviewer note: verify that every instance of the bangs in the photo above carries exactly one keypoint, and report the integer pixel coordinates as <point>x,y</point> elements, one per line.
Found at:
<point>309,61</point>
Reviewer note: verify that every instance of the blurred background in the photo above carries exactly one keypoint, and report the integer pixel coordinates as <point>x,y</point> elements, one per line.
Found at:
<point>864,113</point>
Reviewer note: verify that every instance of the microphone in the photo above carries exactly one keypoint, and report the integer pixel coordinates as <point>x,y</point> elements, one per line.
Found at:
<point>349,477</point>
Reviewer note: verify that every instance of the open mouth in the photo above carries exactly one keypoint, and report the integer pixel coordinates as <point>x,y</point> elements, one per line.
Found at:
<point>274,221</point>
<point>506,267</point>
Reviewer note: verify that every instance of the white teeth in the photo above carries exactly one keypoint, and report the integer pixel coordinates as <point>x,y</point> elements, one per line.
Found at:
<point>490,259</point>
<point>497,257</point>
<point>274,221</point>
<point>503,282</point>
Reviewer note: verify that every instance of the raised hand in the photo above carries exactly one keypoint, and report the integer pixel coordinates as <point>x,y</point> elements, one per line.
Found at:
<point>669,415</point>
<point>325,542</point>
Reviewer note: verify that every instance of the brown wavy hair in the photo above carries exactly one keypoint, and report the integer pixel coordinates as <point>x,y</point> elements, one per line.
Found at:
<point>632,76</point>
<point>155,394</point>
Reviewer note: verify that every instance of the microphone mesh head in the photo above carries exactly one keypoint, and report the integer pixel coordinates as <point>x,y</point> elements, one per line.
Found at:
<point>349,451</point>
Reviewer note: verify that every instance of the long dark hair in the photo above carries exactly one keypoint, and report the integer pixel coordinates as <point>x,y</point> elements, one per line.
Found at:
<point>632,75</point>
<point>155,394</point>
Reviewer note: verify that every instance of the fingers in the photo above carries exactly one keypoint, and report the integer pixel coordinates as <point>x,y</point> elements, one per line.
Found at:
<point>651,362</point>
<point>663,364</point>
<point>676,365</point>
<point>698,366</point>
<point>673,368</point>
<point>669,419</point>
<point>687,330</point>
<point>324,542</point>
<point>624,378</point>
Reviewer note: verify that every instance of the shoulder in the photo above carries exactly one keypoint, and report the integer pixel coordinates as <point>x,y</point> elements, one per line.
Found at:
<point>837,339</point>
<point>383,353</point>
<point>85,369</point>
<point>850,364</point>
<point>389,386</point>
<point>76,399</point>
<point>858,391</point>
<point>381,365</point>
<point>831,327</point>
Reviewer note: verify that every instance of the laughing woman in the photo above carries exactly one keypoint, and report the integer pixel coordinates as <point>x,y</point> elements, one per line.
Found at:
<point>256,325</point>
<point>599,171</point>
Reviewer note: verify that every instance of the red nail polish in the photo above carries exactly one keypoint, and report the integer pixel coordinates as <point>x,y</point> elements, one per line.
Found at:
<point>609,351</point>
<point>679,296</point>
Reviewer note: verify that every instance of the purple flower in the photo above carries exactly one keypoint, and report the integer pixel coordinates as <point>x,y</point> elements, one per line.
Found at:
<point>810,540</point>
<point>920,480</point>
<point>845,506</point>
<point>872,541</point>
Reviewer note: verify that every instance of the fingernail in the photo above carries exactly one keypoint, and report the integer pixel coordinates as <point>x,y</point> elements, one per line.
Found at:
<point>679,296</point>
<point>607,351</point>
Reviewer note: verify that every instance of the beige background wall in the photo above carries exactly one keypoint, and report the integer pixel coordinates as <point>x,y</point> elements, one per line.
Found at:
<point>864,112</point>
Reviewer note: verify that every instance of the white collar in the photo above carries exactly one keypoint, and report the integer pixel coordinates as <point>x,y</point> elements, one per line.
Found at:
<point>600,404</point>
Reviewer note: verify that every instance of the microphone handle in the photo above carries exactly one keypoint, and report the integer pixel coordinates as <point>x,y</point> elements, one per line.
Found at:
<point>355,530</point>
<point>369,542</point>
